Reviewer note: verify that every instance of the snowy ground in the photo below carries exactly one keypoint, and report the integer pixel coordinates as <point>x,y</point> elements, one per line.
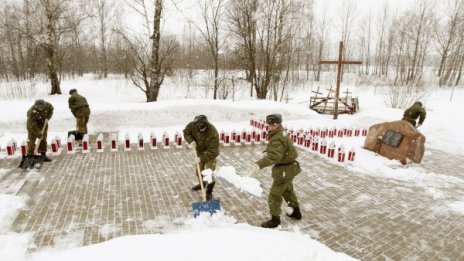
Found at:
<point>117,107</point>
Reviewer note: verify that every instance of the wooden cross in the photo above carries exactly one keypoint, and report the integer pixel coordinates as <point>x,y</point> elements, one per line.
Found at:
<point>317,92</point>
<point>340,62</point>
<point>347,92</point>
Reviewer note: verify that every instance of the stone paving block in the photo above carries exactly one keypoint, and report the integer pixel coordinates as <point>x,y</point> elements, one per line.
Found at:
<point>100,196</point>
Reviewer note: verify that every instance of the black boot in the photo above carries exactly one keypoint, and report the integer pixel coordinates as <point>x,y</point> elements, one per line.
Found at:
<point>198,186</point>
<point>296,214</point>
<point>27,162</point>
<point>209,191</point>
<point>79,136</point>
<point>273,223</point>
<point>45,158</point>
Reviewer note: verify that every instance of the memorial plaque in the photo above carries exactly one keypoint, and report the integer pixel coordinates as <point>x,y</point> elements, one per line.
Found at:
<point>392,138</point>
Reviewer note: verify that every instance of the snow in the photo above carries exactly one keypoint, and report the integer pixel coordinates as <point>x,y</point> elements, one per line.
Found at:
<point>119,108</point>
<point>214,237</point>
<point>12,245</point>
<point>248,184</point>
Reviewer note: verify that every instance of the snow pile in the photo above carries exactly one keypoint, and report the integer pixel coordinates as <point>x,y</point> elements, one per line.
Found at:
<point>12,245</point>
<point>250,185</point>
<point>208,237</point>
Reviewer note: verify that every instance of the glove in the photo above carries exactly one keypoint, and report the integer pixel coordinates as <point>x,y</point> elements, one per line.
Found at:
<point>418,125</point>
<point>253,170</point>
<point>192,145</point>
<point>197,160</point>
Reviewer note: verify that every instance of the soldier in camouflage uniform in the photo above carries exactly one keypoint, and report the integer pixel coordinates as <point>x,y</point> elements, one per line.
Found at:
<point>40,112</point>
<point>280,153</point>
<point>412,113</point>
<point>204,138</point>
<point>80,109</point>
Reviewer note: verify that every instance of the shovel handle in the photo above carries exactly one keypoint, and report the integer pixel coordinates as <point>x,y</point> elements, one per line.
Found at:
<point>203,194</point>
<point>36,150</point>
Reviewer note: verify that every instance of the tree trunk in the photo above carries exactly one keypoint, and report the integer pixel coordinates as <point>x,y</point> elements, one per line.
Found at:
<point>155,66</point>
<point>50,52</point>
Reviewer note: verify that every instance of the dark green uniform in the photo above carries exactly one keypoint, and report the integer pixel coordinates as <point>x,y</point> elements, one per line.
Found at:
<point>412,113</point>
<point>207,144</point>
<point>80,109</point>
<point>36,117</point>
<point>281,153</point>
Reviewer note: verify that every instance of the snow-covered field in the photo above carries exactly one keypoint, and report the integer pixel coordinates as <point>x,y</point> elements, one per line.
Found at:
<point>118,107</point>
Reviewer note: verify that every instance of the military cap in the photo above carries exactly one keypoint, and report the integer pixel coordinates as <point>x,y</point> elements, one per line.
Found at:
<point>39,104</point>
<point>72,91</point>
<point>274,118</point>
<point>200,121</point>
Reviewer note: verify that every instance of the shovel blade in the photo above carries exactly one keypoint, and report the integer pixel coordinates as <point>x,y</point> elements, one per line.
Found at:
<point>211,206</point>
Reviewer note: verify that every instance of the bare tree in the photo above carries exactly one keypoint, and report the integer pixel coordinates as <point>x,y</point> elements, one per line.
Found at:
<point>211,12</point>
<point>383,23</point>
<point>242,17</point>
<point>449,42</point>
<point>264,29</point>
<point>347,17</point>
<point>103,13</point>
<point>323,26</point>
<point>153,54</point>
<point>365,40</point>
<point>52,10</point>
<point>421,24</point>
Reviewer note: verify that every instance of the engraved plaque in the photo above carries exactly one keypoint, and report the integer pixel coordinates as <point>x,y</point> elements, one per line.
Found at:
<point>392,138</point>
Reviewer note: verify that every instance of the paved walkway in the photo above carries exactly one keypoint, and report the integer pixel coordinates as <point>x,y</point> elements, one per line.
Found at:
<point>98,196</point>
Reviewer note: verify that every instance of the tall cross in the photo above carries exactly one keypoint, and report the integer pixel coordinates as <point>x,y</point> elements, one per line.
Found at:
<point>339,75</point>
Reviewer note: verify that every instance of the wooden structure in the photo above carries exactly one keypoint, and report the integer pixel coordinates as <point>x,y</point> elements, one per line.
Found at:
<point>340,62</point>
<point>326,104</point>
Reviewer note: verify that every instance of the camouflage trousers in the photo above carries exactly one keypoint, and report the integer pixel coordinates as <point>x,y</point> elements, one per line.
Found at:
<point>33,132</point>
<point>282,188</point>
<point>82,118</point>
<point>206,165</point>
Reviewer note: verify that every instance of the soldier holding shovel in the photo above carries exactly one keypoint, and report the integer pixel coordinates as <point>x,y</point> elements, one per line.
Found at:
<point>37,127</point>
<point>81,111</point>
<point>204,138</point>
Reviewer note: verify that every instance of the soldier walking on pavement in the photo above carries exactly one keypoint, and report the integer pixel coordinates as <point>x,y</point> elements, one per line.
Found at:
<point>38,116</point>
<point>204,138</point>
<point>81,111</point>
<point>281,153</point>
<point>412,113</point>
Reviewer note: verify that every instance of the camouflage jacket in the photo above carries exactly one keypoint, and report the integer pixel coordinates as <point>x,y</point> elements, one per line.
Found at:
<point>414,112</point>
<point>207,142</point>
<point>37,117</point>
<point>279,151</point>
<point>77,102</point>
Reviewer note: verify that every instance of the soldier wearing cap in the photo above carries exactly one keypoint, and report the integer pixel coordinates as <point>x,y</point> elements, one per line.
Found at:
<point>38,116</point>
<point>204,138</point>
<point>81,111</point>
<point>281,154</point>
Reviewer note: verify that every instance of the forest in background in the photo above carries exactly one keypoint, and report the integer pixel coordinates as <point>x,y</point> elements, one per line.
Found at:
<point>272,41</point>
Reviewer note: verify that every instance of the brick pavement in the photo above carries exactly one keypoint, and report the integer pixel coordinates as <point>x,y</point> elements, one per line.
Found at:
<point>95,197</point>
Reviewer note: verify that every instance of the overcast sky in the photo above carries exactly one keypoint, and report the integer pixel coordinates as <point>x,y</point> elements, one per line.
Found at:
<point>178,12</point>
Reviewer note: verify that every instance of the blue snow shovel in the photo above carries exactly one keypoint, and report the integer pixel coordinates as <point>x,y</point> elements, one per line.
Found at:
<point>210,206</point>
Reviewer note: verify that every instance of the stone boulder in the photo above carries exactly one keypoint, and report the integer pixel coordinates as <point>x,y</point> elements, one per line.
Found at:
<point>396,140</point>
